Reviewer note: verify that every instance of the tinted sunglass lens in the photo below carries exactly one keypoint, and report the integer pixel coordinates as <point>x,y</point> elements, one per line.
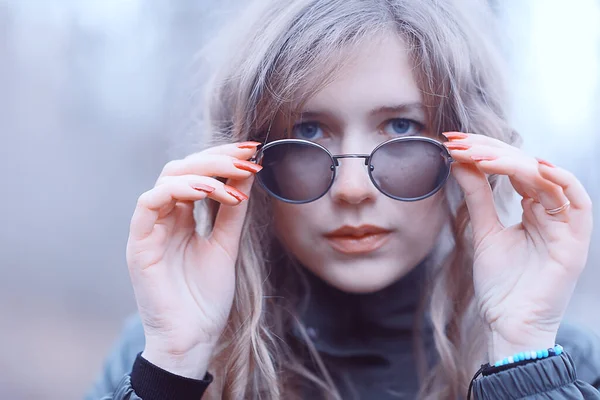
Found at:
<point>409,169</point>
<point>296,172</point>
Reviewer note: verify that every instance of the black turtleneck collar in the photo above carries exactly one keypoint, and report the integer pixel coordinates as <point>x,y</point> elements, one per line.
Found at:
<point>367,340</point>
<point>350,324</point>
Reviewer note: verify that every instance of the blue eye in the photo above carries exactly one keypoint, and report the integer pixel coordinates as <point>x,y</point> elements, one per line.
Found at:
<point>402,126</point>
<point>307,131</point>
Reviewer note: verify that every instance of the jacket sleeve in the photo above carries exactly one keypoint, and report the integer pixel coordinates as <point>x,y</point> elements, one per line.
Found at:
<point>114,382</point>
<point>551,378</point>
<point>128,376</point>
<point>575,374</point>
<point>124,391</point>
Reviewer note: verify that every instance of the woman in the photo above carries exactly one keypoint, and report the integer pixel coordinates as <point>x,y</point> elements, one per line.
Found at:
<point>355,269</point>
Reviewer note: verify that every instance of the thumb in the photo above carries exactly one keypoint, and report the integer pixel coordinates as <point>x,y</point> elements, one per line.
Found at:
<point>479,199</point>
<point>230,219</point>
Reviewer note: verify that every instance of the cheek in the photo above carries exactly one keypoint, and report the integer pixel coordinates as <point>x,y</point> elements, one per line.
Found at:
<point>425,219</point>
<point>293,224</point>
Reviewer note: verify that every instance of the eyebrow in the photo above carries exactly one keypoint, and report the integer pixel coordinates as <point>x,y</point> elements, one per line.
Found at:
<point>400,108</point>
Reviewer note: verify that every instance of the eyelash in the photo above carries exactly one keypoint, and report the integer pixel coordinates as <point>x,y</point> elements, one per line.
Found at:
<point>419,125</point>
<point>304,123</point>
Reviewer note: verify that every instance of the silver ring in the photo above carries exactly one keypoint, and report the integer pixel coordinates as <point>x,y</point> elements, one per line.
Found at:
<point>557,210</point>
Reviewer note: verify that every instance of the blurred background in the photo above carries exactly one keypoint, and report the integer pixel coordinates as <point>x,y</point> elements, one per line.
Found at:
<point>88,116</point>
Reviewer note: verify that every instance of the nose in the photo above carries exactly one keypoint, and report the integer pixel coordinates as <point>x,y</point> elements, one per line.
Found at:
<point>352,184</point>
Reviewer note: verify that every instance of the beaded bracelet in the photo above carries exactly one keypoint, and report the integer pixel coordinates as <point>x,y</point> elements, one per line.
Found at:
<point>519,358</point>
<point>530,355</point>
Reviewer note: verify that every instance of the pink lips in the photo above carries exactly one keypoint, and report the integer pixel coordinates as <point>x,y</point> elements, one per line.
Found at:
<point>358,240</point>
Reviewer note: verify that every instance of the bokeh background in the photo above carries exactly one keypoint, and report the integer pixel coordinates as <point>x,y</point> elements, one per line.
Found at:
<point>89,94</point>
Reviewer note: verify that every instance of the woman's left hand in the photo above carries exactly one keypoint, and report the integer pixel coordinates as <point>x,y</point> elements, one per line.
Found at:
<point>525,274</point>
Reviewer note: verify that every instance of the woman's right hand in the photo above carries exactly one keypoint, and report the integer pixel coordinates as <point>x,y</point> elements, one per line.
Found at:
<point>183,282</point>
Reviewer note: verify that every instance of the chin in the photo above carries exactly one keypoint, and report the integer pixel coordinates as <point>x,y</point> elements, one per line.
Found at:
<point>361,276</point>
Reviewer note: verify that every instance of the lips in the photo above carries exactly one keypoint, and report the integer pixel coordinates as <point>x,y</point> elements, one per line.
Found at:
<point>357,231</point>
<point>358,240</point>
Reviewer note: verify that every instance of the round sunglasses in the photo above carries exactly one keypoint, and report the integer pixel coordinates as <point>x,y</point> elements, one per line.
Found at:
<point>407,168</point>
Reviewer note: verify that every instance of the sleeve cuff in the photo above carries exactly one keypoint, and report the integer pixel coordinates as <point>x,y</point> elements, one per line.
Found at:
<point>521,381</point>
<point>154,383</point>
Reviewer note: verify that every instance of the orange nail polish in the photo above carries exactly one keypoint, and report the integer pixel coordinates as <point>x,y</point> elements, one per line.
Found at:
<point>455,135</point>
<point>235,193</point>
<point>247,166</point>
<point>203,188</point>
<point>483,158</point>
<point>457,146</point>
<point>247,145</point>
<point>546,163</point>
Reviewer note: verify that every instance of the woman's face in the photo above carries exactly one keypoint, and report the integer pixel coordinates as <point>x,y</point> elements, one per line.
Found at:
<point>374,98</point>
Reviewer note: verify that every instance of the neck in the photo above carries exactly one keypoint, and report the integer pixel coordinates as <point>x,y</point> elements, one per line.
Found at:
<point>340,322</point>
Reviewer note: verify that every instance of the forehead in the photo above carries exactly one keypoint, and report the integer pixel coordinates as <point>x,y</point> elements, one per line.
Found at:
<point>376,74</point>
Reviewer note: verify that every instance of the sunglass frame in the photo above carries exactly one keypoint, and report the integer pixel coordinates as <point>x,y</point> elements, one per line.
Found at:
<point>367,157</point>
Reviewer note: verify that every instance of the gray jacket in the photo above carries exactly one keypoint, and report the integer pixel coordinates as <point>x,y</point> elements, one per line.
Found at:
<point>573,375</point>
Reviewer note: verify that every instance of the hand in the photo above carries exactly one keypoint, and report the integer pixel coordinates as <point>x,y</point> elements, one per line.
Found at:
<point>184,282</point>
<point>524,275</point>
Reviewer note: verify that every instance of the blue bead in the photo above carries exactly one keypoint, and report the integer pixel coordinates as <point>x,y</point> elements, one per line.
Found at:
<point>527,355</point>
<point>505,361</point>
<point>521,356</point>
<point>545,353</point>
<point>498,363</point>
<point>539,354</point>
<point>558,349</point>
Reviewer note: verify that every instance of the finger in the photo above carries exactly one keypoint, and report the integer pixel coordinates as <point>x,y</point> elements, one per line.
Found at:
<point>467,153</point>
<point>581,204</point>
<point>230,220</point>
<point>473,138</point>
<point>153,203</point>
<point>525,175</point>
<point>572,187</point>
<point>521,168</point>
<point>210,165</point>
<point>479,199</point>
<point>238,150</point>
<point>223,193</point>
<point>463,151</point>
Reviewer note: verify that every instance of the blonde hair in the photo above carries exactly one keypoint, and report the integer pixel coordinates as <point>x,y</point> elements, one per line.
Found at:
<point>279,53</point>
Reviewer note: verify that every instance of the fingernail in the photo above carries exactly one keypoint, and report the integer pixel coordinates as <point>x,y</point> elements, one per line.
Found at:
<point>455,135</point>
<point>235,193</point>
<point>247,145</point>
<point>483,158</point>
<point>546,163</point>
<point>247,166</point>
<point>203,188</point>
<point>457,146</point>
